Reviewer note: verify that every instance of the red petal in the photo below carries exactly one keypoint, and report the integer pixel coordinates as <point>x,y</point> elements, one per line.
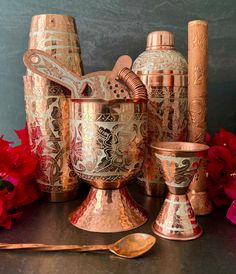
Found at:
<point>231,213</point>
<point>230,186</point>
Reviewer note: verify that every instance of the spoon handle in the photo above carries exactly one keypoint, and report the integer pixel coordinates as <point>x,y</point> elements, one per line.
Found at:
<point>45,247</point>
<point>46,66</point>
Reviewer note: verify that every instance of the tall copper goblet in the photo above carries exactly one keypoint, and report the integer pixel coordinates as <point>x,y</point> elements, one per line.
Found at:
<point>107,151</point>
<point>179,162</point>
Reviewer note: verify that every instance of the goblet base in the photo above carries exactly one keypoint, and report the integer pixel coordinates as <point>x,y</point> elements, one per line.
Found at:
<point>108,211</point>
<point>200,202</point>
<point>176,220</point>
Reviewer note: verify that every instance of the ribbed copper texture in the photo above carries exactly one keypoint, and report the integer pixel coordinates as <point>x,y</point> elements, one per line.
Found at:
<point>178,162</point>
<point>197,108</point>
<point>163,70</point>
<point>47,106</point>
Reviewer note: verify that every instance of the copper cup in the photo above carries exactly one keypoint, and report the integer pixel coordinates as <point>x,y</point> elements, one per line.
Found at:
<point>47,106</point>
<point>56,34</point>
<point>179,162</point>
<point>107,151</point>
<point>47,109</point>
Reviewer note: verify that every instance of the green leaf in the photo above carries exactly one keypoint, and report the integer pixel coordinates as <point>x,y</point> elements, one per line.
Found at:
<point>5,184</point>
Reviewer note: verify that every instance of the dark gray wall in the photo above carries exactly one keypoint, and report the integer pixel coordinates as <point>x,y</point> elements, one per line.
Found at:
<point>108,29</point>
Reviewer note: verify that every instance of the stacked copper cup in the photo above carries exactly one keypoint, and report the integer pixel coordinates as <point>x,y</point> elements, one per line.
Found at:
<point>47,106</point>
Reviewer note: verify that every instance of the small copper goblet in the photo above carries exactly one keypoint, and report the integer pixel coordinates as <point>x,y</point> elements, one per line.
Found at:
<point>179,161</point>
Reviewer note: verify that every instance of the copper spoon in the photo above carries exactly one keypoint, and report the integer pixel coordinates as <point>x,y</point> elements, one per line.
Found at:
<point>130,246</point>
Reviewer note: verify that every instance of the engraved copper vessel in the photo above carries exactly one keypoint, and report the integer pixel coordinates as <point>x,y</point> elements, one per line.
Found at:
<point>178,162</point>
<point>163,70</point>
<point>108,130</point>
<point>47,106</point>
<point>197,108</point>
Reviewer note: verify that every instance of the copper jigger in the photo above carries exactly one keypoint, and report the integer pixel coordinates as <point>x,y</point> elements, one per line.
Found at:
<point>179,162</point>
<point>108,120</point>
<point>47,106</point>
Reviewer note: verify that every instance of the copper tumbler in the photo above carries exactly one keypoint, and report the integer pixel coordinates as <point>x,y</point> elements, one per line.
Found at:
<point>179,162</point>
<point>47,106</point>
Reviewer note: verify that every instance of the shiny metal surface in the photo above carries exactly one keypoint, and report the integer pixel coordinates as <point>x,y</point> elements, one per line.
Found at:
<point>47,106</point>
<point>108,134</point>
<point>119,83</point>
<point>197,107</point>
<point>160,39</point>
<point>107,141</point>
<point>47,111</point>
<point>133,245</point>
<point>163,70</point>
<point>107,150</point>
<point>130,246</point>
<point>108,211</point>
<point>56,34</point>
<point>179,162</point>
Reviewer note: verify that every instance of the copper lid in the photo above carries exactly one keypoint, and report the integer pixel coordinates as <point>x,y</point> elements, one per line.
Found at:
<point>160,40</point>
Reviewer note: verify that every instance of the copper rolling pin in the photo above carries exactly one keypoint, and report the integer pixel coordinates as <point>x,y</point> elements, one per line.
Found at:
<point>197,107</point>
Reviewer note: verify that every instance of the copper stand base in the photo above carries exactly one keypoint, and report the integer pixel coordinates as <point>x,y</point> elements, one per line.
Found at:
<point>108,211</point>
<point>200,202</point>
<point>176,220</point>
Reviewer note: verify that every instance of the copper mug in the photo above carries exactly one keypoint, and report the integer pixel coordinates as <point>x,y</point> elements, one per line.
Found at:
<point>108,130</point>
<point>47,106</point>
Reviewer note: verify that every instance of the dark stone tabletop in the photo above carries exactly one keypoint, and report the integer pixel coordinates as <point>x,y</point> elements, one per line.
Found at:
<point>213,253</point>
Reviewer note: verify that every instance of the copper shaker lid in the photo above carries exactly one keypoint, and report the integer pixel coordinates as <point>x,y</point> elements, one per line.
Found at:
<point>159,40</point>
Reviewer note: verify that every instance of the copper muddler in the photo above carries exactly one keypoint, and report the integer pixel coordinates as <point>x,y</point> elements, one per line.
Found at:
<point>197,108</point>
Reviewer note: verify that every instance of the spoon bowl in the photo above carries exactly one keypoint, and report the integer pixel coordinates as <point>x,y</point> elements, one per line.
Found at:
<point>133,245</point>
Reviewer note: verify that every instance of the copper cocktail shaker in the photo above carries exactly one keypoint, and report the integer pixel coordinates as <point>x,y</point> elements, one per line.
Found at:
<point>47,106</point>
<point>163,70</point>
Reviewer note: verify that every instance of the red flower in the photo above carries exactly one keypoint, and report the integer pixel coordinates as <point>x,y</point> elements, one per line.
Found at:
<point>221,170</point>
<point>24,193</point>
<point>5,205</point>
<point>17,167</point>
<point>226,139</point>
<point>231,213</point>
<point>17,161</point>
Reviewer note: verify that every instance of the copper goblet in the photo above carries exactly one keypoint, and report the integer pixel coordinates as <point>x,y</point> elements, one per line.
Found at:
<point>108,117</point>
<point>107,151</point>
<point>179,162</point>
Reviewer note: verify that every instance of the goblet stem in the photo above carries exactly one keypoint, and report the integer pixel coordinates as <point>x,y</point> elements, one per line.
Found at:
<point>108,211</point>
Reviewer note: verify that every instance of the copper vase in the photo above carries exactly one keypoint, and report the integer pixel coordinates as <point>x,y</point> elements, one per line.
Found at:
<point>47,106</point>
<point>163,70</point>
<point>178,162</point>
